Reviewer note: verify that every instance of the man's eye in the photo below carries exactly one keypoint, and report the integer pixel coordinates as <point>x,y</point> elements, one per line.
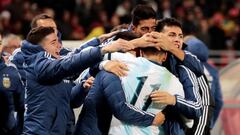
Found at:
<point>53,43</point>
<point>171,35</point>
<point>154,28</point>
<point>144,29</point>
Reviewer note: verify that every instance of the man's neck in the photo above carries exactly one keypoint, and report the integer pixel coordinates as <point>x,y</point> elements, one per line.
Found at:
<point>154,58</point>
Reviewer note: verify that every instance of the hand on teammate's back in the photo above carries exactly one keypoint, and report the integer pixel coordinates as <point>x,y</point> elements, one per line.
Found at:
<point>163,97</point>
<point>116,67</point>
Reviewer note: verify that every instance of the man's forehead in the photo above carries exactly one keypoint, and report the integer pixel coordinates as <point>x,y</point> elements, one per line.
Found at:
<point>147,22</point>
<point>51,36</point>
<point>173,29</point>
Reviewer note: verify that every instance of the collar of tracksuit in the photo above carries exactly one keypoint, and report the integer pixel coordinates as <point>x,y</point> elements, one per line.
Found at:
<point>30,49</point>
<point>159,64</point>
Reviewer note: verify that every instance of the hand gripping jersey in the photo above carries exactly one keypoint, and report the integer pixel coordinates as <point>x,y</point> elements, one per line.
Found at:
<point>143,78</point>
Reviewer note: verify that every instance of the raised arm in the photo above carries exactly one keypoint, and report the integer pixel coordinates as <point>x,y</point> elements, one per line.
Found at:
<point>48,69</point>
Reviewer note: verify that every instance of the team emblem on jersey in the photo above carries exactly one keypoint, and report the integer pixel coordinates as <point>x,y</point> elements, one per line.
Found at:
<point>6,82</point>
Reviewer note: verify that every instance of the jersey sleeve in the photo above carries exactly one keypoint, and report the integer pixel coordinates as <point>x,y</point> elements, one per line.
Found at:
<point>191,105</point>
<point>94,42</point>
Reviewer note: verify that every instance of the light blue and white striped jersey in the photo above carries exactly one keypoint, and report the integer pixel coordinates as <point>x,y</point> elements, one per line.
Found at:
<point>143,78</point>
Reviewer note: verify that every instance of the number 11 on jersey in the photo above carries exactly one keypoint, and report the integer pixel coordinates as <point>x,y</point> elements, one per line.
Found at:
<point>138,91</point>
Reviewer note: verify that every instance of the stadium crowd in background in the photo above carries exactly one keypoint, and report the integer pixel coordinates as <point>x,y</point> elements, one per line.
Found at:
<point>216,22</point>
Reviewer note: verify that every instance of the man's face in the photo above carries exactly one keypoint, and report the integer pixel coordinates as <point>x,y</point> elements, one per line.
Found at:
<point>47,23</point>
<point>175,35</point>
<point>51,45</point>
<point>145,26</point>
<point>13,45</point>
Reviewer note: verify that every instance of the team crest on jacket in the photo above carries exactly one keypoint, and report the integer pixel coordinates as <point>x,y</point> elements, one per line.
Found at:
<point>6,82</point>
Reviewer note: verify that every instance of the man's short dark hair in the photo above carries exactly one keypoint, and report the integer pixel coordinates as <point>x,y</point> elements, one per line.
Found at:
<point>39,17</point>
<point>142,12</point>
<point>167,22</point>
<point>152,50</point>
<point>126,35</point>
<point>36,35</point>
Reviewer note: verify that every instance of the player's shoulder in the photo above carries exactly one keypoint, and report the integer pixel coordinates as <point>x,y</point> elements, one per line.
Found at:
<point>126,57</point>
<point>106,76</point>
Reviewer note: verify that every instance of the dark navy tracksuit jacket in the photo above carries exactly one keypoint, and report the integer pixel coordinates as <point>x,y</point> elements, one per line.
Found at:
<point>48,93</point>
<point>11,100</point>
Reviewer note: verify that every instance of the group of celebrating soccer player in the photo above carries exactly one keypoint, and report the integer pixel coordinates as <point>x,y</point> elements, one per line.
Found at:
<point>142,78</point>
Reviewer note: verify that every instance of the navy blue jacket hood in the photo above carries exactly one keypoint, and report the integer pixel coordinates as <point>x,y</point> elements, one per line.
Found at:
<point>29,48</point>
<point>198,48</point>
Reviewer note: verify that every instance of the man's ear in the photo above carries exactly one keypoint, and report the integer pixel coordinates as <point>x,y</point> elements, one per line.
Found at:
<point>137,52</point>
<point>141,53</point>
<point>165,57</point>
<point>133,28</point>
